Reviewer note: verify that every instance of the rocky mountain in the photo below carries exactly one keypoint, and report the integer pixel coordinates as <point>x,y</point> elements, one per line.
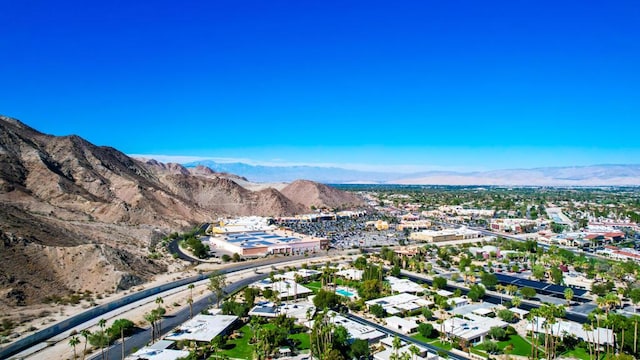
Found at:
<point>313,194</point>
<point>75,216</point>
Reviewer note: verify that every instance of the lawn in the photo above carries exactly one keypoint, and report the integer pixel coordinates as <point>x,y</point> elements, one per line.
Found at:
<point>239,348</point>
<point>520,346</point>
<point>442,345</point>
<point>424,339</point>
<point>304,339</point>
<point>578,353</point>
<point>314,286</point>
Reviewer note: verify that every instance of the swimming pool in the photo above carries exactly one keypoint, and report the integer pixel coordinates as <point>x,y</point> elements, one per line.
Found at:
<point>344,292</point>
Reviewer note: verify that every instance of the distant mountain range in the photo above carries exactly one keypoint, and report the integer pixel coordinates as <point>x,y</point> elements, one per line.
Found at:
<point>596,175</point>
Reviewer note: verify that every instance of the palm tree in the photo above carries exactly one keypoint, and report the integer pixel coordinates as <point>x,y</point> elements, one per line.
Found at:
<point>396,346</point>
<point>160,311</point>
<point>102,323</point>
<point>414,351</point>
<point>85,334</point>
<point>516,301</point>
<point>588,329</point>
<point>190,301</point>
<point>73,342</point>
<point>568,295</point>
<point>151,318</point>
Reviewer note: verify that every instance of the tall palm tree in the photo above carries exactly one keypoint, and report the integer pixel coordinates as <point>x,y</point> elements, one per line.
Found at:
<point>190,302</point>
<point>73,342</point>
<point>588,329</point>
<point>151,318</point>
<point>102,323</point>
<point>85,334</point>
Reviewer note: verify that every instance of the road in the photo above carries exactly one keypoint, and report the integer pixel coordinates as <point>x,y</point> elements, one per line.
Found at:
<point>140,339</point>
<point>405,338</point>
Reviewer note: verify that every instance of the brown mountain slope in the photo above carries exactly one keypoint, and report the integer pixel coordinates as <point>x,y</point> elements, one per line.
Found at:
<point>309,193</point>
<point>88,215</point>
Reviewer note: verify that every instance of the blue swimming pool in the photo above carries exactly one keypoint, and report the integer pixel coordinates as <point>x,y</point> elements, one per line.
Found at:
<point>344,292</point>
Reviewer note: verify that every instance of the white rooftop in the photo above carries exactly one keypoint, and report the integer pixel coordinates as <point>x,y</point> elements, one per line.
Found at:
<point>153,354</point>
<point>285,288</point>
<point>471,328</point>
<point>405,326</point>
<point>304,273</point>
<point>397,303</point>
<point>445,293</point>
<point>297,311</point>
<point>351,274</point>
<point>356,330</point>
<point>404,285</point>
<point>202,328</point>
<point>600,335</point>
<point>387,354</point>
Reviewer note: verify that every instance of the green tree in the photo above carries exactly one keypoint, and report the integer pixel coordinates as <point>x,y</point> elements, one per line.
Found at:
<point>73,342</point>
<point>439,282</point>
<point>102,338</point>
<point>217,284</point>
<point>476,292</point>
<point>360,349</point>
<point>527,292</point>
<point>506,315</point>
<point>538,272</point>
<point>377,311</point>
<point>85,334</point>
<point>326,300</point>
<point>426,330</point>
<point>489,280</point>
<point>497,333</point>
<point>556,275</point>
<point>568,295</point>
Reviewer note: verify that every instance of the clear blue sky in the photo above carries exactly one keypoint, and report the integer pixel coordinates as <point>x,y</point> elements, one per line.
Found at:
<point>434,84</point>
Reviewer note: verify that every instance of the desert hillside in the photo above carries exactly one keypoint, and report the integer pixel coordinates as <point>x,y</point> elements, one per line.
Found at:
<point>312,194</point>
<point>85,218</point>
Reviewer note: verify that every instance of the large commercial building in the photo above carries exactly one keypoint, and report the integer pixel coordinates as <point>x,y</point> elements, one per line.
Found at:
<point>444,235</point>
<point>261,243</point>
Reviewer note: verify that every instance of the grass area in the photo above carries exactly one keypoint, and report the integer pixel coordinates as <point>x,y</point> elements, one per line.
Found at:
<point>442,345</point>
<point>314,286</point>
<point>520,346</point>
<point>305,340</point>
<point>239,348</point>
<point>424,339</point>
<point>578,353</point>
<point>479,352</point>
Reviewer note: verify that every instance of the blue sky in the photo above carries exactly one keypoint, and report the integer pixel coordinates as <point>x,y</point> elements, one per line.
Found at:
<point>408,85</point>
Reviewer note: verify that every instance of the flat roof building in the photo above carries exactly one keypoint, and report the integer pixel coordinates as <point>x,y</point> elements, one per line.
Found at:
<point>286,289</point>
<point>260,243</point>
<point>397,304</point>
<point>404,285</point>
<point>203,328</point>
<point>355,329</point>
